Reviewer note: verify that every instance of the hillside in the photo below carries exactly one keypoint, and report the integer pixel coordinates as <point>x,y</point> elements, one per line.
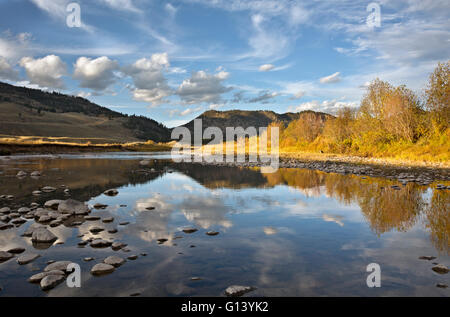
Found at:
<point>257,119</point>
<point>33,112</point>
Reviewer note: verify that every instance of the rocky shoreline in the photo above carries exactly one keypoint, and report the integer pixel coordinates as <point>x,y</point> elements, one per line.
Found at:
<point>405,174</point>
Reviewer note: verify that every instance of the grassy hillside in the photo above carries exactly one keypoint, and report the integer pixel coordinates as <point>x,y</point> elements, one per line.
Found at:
<point>32,112</point>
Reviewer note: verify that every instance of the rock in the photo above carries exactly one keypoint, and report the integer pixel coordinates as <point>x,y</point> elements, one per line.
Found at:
<point>111,192</point>
<point>27,258</point>
<point>102,268</point>
<point>58,266</point>
<point>100,206</point>
<point>23,210</point>
<point>88,259</point>
<point>31,229</point>
<point>125,223</point>
<point>428,258</point>
<point>16,250</point>
<point>5,256</point>
<point>118,245</point>
<point>108,219</point>
<point>96,230</point>
<point>53,204</point>
<point>5,218</point>
<point>5,210</point>
<point>190,230</point>
<point>112,231</point>
<point>73,207</point>
<point>150,208</point>
<point>48,189</point>
<point>162,240</point>
<point>36,193</point>
<point>21,174</point>
<point>132,257</point>
<point>237,290</point>
<point>36,174</point>
<point>100,243</point>
<point>36,278</point>
<point>195,279</point>
<point>51,281</point>
<point>44,219</point>
<point>42,235</point>
<point>82,243</point>
<point>18,221</point>
<point>440,268</point>
<point>5,226</point>
<point>212,233</point>
<point>441,285</point>
<point>91,218</point>
<point>144,162</point>
<point>114,261</point>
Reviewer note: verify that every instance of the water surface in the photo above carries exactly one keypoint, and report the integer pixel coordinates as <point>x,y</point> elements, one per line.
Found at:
<point>291,233</point>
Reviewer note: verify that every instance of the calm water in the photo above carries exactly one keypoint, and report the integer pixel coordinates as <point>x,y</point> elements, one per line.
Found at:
<point>292,233</point>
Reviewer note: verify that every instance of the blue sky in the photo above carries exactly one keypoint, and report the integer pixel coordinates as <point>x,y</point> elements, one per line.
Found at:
<point>173,60</point>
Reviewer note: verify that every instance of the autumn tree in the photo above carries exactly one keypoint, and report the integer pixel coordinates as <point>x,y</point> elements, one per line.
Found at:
<point>437,96</point>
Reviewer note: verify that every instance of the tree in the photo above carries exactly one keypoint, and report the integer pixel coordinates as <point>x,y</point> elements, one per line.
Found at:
<point>437,96</point>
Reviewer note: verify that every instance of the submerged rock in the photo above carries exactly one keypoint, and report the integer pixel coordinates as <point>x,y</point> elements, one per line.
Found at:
<point>100,206</point>
<point>27,258</point>
<point>96,230</point>
<point>108,220</point>
<point>190,230</point>
<point>440,268</point>
<point>114,261</point>
<point>111,192</point>
<point>5,256</point>
<point>100,243</point>
<point>428,258</point>
<point>73,207</point>
<point>18,250</point>
<point>237,290</point>
<point>51,281</point>
<point>102,268</point>
<point>36,278</point>
<point>58,266</point>
<point>212,233</point>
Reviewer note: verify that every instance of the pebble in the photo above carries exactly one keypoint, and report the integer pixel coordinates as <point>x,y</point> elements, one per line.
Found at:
<point>114,261</point>
<point>51,281</point>
<point>237,290</point>
<point>27,258</point>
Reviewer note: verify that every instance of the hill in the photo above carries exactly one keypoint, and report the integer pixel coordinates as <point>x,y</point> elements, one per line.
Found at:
<point>257,119</point>
<point>33,112</point>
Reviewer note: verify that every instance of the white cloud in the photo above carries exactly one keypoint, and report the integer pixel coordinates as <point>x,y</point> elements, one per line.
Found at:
<point>171,9</point>
<point>46,71</point>
<point>266,67</point>
<point>334,78</point>
<point>148,77</point>
<point>14,47</point>
<point>97,74</point>
<point>203,87</point>
<point>298,95</point>
<point>122,5</point>
<point>7,72</point>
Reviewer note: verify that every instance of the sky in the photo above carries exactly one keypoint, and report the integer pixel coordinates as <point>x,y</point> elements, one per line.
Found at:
<point>173,60</point>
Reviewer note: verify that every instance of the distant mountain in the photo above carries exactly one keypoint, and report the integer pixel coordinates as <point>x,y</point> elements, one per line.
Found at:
<point>246,118</point>
<point>33,112</point>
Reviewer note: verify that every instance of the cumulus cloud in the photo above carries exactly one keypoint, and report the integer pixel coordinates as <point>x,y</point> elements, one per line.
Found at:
<point>148,78</point>
<point>96,74</point>
<point>203,87</point>
<point>46,71</point>
<point>266,67</point>
<point>7,72</point>
<point>334,78</point>
<point>14,47</point>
